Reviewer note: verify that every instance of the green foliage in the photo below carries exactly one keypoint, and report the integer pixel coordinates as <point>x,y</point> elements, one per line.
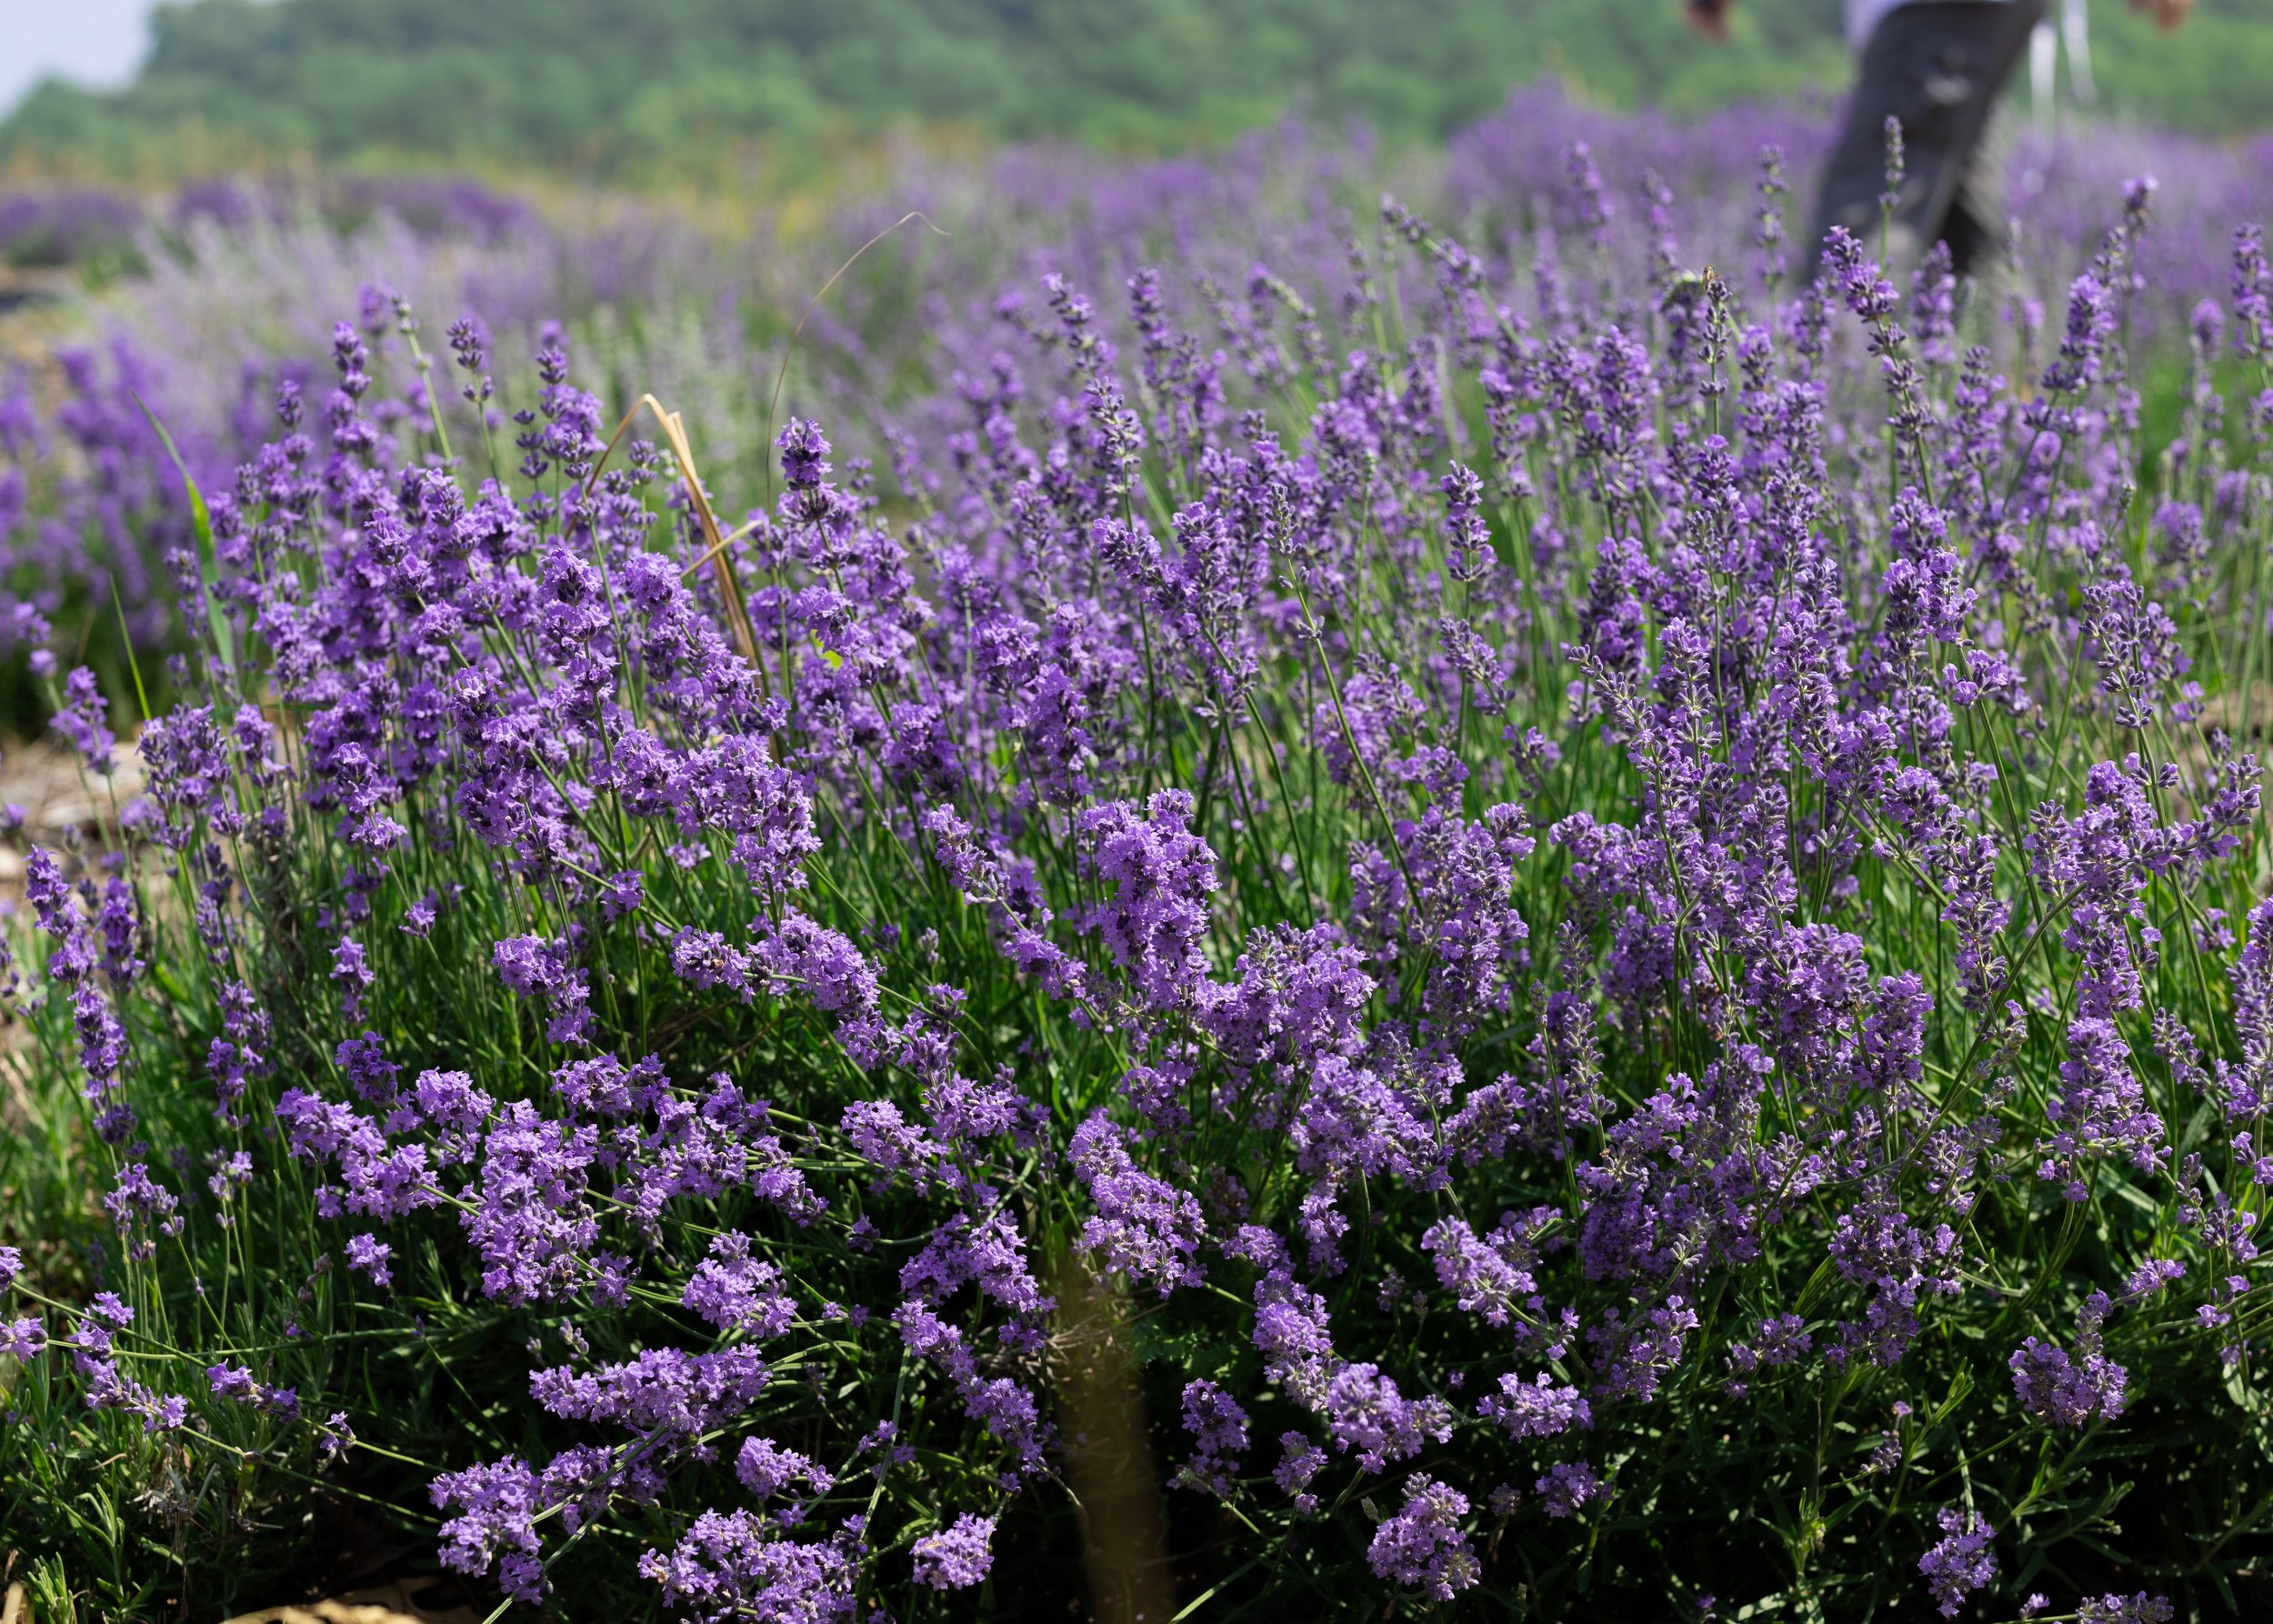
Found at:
<point>585,85</point>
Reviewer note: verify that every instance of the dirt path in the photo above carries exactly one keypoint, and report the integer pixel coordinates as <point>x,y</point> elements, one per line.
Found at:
<point>45,778</point>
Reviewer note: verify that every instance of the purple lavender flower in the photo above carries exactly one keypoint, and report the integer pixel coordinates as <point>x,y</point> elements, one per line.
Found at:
<point>1780,1341</point>
<point>956,1558</point>
<point>533,967</point>
<point>766,1469</point>
<point>738,1292</point>
<point>1218,1427</point>
<point>2101,1109</point>
<point>2248,1088</point>
<point>734,1565</point>
<point>1857,280</point>
<point>2065,1393</point>
<point>368,1255</point>
<point>1161,875</point>
<point>21,1340</point>
<point>803,451</point>
<point>1568,1485</point>
<point>1537,1408</point>
<point>236,1383</point>
<point>661,1391</point>
<point>1365,1412</point>
<point>1961,1562</point>
<point>81,719</point>
<point>1424,1545</point>
<point>1144,1227</point>
<point>1301,1460</point>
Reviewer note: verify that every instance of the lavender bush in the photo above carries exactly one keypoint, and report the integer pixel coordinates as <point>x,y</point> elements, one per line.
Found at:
<point>1560,937</point>
<point>60,225</point>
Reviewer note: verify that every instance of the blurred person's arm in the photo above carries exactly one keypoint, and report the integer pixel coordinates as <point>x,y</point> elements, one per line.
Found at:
<point>1711,18</point>
<point>2168,14</point>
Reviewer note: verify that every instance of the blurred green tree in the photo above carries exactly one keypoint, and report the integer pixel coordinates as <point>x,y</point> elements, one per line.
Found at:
<point>592,85</point>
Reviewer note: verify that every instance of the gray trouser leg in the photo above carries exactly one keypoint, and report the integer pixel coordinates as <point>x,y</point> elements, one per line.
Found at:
<point>1937,66</point>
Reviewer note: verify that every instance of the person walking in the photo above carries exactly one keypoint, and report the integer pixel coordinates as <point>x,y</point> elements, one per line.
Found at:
<point>1937,67</point>
<point>2045,46</point>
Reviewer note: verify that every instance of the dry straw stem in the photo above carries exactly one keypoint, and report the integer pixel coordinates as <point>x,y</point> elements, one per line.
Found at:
<point>729,590</point>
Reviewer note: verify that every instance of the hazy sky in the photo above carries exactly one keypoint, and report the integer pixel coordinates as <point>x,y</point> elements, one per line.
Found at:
<point>95,42</point>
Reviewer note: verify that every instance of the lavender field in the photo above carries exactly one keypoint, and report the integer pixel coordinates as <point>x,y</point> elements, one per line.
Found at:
<point>1304,881</point>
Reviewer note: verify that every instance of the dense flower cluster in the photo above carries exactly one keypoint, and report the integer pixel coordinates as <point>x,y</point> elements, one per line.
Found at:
<point>1961,1562</point>
<point>1497,865</point>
